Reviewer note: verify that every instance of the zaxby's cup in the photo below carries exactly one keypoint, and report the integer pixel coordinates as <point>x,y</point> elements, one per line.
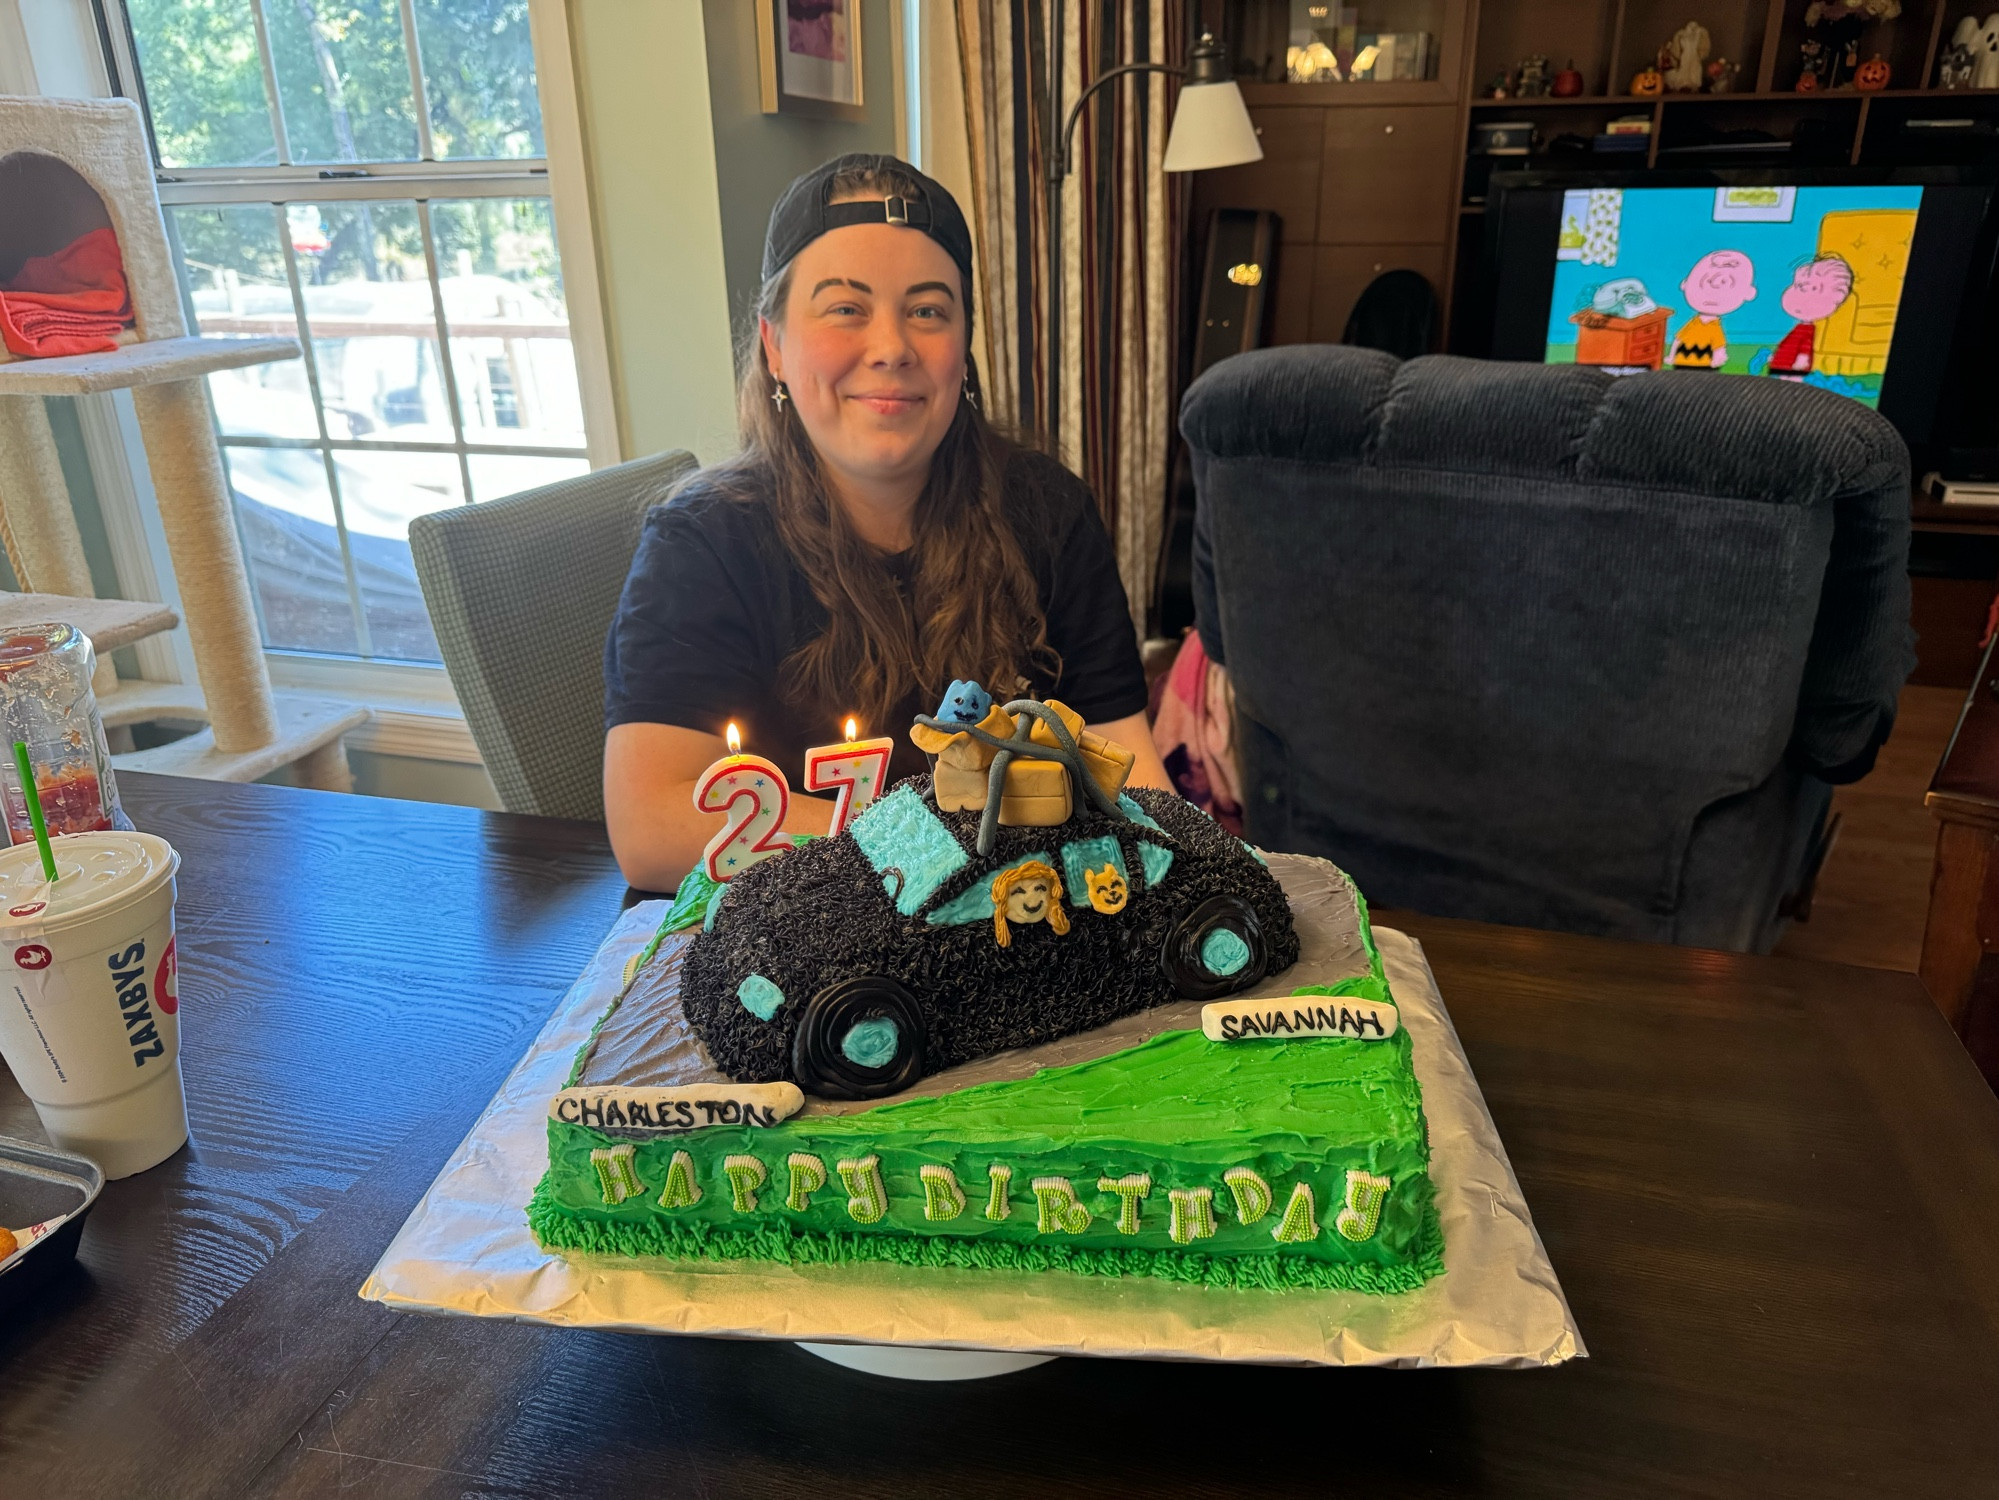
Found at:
<point>89,1004</point>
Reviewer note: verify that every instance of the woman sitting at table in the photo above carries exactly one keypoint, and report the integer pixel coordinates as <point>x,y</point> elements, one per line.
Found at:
<point>874,541</point>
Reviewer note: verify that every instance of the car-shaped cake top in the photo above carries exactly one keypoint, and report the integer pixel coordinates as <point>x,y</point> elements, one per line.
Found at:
<point>926,936</point>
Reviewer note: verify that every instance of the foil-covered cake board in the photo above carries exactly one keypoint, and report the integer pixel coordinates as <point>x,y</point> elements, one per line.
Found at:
<point>466,1248</point>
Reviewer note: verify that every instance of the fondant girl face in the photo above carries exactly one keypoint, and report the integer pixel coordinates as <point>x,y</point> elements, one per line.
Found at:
<point>872,350</point>
<point>1027,899</point>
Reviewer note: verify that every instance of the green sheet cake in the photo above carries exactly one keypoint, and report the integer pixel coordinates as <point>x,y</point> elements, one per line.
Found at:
<point>1154,1053</point>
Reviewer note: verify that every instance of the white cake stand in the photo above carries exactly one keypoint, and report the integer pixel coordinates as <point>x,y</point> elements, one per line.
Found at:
<point>910,1363</point>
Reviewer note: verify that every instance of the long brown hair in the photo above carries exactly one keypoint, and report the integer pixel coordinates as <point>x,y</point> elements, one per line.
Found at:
<point>972,609</point>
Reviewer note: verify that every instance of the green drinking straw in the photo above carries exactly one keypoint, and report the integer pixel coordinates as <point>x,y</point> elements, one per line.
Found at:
<point>34,799</point>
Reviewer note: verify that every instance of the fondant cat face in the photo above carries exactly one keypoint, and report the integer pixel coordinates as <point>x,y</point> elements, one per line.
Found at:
<point>964,703</point>
<point>1107,889</point>
<point>1027,900</point>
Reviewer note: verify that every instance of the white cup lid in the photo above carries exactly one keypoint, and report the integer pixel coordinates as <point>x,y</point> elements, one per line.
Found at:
<point>93,869</point>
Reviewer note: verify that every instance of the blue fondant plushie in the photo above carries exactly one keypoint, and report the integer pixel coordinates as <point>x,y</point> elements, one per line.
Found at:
<point>964,703</point>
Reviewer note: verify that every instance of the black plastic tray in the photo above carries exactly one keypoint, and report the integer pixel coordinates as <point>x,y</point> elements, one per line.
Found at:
<point>38,1183</point>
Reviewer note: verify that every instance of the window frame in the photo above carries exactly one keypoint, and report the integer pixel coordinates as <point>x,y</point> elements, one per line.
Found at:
<point>407,695</point>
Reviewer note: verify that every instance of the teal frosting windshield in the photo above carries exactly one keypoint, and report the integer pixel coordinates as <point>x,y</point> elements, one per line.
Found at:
<point>900,834</point>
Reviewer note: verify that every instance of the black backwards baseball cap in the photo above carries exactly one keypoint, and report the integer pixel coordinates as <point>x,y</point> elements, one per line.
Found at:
<point>802,214</point>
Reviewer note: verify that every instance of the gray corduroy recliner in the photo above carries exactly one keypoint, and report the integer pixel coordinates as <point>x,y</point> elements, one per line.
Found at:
<point>1536,645</point>
<point>521,592</point>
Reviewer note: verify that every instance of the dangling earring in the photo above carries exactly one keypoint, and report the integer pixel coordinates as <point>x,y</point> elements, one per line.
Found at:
<point>779,396</point>
<point>970,394</point>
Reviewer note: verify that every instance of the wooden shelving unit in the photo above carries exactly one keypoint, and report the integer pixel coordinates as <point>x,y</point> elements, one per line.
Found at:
<point>1367,177</point>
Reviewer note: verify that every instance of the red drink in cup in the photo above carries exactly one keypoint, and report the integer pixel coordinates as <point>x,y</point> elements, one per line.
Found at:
<point>46,702</point>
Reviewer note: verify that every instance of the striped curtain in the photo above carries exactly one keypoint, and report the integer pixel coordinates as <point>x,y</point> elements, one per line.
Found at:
<point>1121,237</point>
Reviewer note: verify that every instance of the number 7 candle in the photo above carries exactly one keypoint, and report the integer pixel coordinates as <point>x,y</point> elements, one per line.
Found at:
<point>856,768</point>
<point>755,795</point>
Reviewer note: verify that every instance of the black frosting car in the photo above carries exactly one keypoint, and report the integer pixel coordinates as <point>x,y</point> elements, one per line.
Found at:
<point>855,965</point>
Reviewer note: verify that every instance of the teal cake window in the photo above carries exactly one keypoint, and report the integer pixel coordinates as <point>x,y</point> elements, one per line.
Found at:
<point>1089,854</point>
<point>975,902</point>
<point>1224,952</point>
<point>1157,862</point>
<point>760,997</point>
<point>1137,814</point>
<point>910,849</point>
<point>871,1043</point>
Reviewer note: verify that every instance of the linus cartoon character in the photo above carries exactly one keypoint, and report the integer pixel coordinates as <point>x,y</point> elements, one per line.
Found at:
<point>1027,893</point>
<point>1720,282</point>
<point>1107,889</point>
<point>964,703</point>
<point>1815,292</point>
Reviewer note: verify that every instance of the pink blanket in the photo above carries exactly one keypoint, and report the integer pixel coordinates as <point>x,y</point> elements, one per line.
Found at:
<point>1193,726</point>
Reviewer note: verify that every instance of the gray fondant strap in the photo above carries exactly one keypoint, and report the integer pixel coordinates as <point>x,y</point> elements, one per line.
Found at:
<point>1065,750</point>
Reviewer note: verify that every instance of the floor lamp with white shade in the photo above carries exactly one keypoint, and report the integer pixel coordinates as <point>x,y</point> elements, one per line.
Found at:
<point>1210,128</point>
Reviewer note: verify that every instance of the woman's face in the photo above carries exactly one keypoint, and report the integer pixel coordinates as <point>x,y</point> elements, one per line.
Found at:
<point>872,350</point>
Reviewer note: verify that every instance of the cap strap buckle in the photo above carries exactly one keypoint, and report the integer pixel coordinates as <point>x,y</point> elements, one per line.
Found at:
<point>896,210</point>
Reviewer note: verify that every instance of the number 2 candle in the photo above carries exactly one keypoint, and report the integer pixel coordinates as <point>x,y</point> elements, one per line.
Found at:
<point>755,795</point>
<point>856,769</point>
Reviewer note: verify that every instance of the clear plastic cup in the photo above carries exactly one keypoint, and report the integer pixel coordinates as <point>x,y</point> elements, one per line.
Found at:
<point>46,702</point>
<point>90,998</point>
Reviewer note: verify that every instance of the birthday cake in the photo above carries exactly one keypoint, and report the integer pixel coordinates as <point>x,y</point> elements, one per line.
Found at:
<point>1013,1015</point>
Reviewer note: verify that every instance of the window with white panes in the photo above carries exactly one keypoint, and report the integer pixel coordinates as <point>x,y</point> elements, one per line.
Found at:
<point>368,176</point>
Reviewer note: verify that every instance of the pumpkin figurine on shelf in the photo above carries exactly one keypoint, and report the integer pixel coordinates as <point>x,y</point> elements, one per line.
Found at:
<point>1872,76</point>
<point>1568,83</point>
<point>1648,83</point>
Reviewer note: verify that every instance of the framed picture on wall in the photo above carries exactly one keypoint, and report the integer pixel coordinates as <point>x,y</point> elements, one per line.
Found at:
<point>809,56</point>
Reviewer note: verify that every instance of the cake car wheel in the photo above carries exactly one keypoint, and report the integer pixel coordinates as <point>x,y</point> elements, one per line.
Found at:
<point>1216,949</point>
<point>859,1039</point>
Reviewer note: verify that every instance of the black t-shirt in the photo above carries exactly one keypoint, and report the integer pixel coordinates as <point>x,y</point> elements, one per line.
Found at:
<point>714,604</point>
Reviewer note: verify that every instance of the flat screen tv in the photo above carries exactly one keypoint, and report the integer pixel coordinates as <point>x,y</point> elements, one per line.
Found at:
<point>1875,288</point>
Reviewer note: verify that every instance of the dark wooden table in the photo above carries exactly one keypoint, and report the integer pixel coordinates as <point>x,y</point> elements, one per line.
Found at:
<point>1960,963</point>
<point>1771,1189</point>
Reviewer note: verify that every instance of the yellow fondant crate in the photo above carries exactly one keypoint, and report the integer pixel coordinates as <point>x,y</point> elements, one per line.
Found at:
<point>1035,794</point>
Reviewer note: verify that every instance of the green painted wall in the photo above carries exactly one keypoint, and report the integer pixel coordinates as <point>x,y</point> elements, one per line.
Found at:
<point>758,154</point>
<point>642,83</point>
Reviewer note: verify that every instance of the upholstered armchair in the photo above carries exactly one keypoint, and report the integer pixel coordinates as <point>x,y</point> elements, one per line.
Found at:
<point>1536,645</point>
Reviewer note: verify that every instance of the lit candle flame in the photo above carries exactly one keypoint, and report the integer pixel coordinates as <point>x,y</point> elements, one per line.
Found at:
<point>735,739</point>
<point>851,730</point>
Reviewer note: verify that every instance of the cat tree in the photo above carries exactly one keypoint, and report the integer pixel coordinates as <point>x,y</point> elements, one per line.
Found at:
<point>68,166</point>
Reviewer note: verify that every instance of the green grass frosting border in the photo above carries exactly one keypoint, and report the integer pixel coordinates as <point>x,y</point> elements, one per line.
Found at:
<point>557,1228</point>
